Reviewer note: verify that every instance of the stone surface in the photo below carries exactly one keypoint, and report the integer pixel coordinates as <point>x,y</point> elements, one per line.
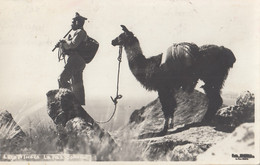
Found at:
<point>63,106</point>
<point>246,100</point>
<point>180,145</point>
<point>241,141</point>
<point>190,109</point>
<point>187,152</point>
<point>11,134</point>
<point>183,143</point>
<point>189,138</point>
<point>8,127</point>
<point>78,132</point>
<point>243,111</point>
<point>140,140</point>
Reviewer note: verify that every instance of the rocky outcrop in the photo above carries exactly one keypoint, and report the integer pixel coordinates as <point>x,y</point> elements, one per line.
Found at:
<point>243,111</point>
<point>190,109</point>
<point>11,134</point>
<point>238,145</point>
<point>78,132</point>
<point>140,140</point>
<point>246,100</point>
<point>183,144</point>
<point>189,138</point>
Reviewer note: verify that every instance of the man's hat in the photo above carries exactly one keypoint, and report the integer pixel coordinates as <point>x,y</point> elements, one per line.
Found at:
<point>79,17</point>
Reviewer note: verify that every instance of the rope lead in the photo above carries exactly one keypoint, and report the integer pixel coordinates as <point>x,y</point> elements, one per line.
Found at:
<point>119,59</point>
<point>118,96</point>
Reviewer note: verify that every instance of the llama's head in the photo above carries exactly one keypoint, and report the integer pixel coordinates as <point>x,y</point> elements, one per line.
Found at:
<point>124,38</point>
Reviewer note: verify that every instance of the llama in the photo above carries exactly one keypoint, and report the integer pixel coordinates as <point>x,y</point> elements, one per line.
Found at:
<point>185,64</point>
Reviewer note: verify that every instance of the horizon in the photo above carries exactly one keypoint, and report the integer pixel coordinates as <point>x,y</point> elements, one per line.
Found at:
<point>35,111</point>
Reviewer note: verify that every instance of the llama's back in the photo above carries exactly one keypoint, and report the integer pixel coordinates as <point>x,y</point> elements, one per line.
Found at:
<point>216,56</point>
<point>179,65</point>
<point>180,56</point>
<point>214,62</point>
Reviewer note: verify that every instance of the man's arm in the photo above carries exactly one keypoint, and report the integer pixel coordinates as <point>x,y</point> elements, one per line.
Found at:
<point>76,40</point>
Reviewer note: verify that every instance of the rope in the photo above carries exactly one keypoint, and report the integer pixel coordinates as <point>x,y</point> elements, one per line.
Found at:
<point>118,96</point>
<point>61,55</point>
<point>119,58</point>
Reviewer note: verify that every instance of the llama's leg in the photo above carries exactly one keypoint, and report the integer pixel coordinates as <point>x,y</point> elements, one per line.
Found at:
<point>171,122</point>
<point>166,122</point>
<point>168,103</point>
<point>190,80</point>
<point>215,101</point>
<point>192,84</point>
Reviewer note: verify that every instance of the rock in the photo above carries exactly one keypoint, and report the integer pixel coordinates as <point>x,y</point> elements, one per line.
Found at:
<point>187,152</point>
<point>229,116</point>
<point>246,100</point>
<point>190,109</point>
<point>136,116</point>
<point>11,134</point>
<point>8,127</point>
<point>78,132</point>
<point>183,144</point>
<point>241,141</point>
<point>189,138</point>
<point>63,106</point>
<point>140,139</point>
<point>243,111</point>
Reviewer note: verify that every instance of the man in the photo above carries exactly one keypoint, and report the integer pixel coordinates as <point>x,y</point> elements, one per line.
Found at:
<point>75,64</point>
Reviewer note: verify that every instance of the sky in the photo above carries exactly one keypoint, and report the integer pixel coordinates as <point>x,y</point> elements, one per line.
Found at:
<point>29,29</point>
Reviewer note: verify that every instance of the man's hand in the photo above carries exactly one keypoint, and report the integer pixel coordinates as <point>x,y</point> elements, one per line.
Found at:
<point>59,44</point>
<point>62,41</point>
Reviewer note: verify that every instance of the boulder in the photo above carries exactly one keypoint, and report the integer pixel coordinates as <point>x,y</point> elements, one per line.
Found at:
<point>190,109</point>
<point>243,111</point>
<point>11,134</point>
<point>246,101</point>
<point>78,132</point>
<point>187,152</point>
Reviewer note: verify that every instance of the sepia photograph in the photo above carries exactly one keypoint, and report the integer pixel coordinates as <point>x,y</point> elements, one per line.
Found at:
<point>129,81</point>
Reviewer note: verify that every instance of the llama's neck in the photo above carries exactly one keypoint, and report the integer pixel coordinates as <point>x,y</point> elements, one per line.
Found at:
<point>141,67</point>
<point>136,59</point>
<point>133,50</point>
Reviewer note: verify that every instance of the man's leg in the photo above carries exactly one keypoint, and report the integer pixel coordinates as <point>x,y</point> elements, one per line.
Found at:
<point>64,78</point>
<point>73,70</point>
<point>78,87</point>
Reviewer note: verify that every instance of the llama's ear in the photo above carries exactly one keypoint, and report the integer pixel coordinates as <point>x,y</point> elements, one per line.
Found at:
<point>124,28</point>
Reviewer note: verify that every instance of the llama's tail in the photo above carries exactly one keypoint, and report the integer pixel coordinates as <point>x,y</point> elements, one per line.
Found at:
<point>214,64</point>
<point>228,61</point>
<point>230,58</point>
